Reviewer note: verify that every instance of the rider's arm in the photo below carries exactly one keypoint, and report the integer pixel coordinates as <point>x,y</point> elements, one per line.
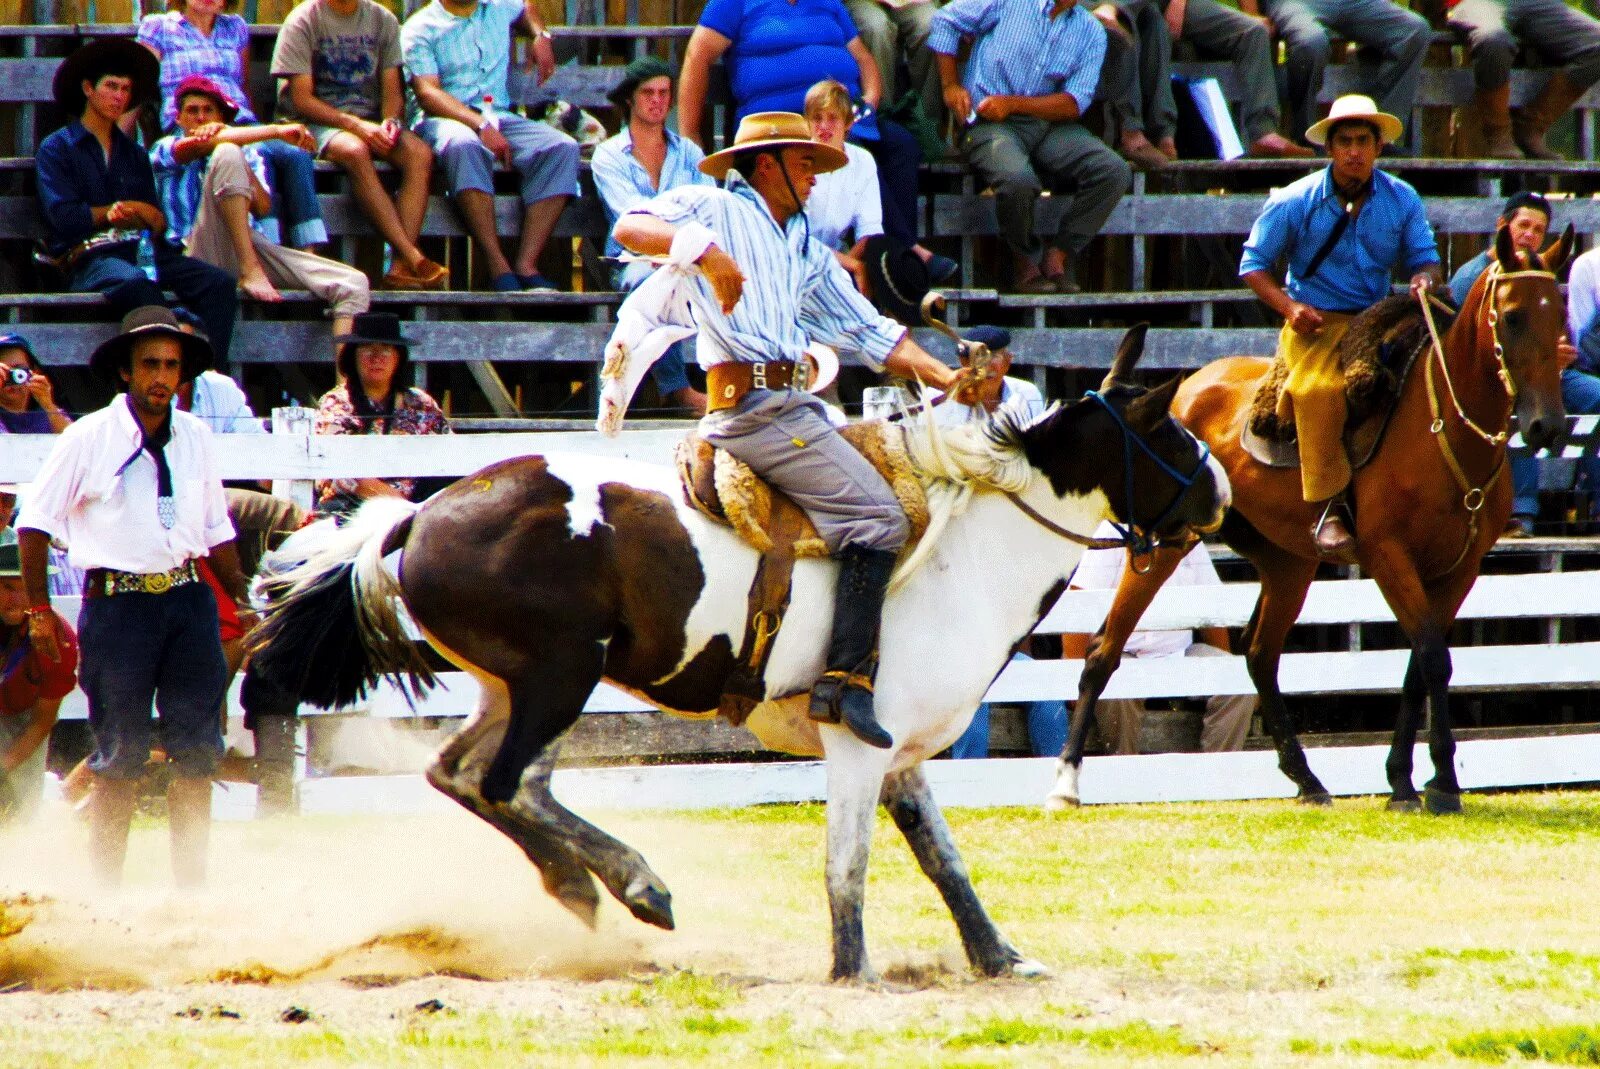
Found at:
<point>647,235</point>
<point>911,361</point>
<point>1271,294</point>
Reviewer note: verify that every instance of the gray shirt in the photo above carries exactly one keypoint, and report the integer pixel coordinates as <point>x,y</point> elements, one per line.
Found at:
<point>344,56</point>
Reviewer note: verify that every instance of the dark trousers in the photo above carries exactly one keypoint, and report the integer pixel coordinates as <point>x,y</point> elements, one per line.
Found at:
<point>898,157</point>
<point>209,292</point>
<point>1494,28</point>
<point>139,648</point>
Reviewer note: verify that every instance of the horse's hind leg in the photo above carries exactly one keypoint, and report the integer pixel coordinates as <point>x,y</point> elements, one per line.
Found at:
<point>1284,582</point>
<point>1398,768</point>
<point>917,815</point>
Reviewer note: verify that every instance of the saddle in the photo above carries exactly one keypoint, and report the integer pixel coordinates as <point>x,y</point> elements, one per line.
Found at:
<point>725,489</point>
<point>1377,354</point>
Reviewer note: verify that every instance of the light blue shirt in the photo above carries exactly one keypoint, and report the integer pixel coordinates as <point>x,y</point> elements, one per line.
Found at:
<point>1462,281</point>
<point>1390,231</point>
<point>624,184</point>
<point>470,56</point>
<point>1019,50</point>
<point>795,291</point>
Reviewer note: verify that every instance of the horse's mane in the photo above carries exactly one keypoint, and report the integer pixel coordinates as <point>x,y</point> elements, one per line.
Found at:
<point>956,462</point>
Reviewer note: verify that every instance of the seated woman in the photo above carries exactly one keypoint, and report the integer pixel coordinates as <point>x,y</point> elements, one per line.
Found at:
<point>776,50</point>
<point>372,398</point>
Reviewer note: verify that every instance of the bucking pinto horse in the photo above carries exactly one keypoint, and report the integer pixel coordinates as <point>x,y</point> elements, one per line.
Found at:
<point>1428,505</point>
<point>544,575</point>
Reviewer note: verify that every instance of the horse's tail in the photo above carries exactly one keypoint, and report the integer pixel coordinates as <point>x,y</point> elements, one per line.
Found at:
<point>331,627</point>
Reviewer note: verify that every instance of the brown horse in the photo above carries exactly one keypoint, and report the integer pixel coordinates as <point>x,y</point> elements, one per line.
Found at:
<point>1428,506</point>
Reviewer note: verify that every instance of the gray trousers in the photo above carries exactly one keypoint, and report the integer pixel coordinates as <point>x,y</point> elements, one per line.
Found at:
<point>785,437</point>
<point>1560,34</point>
<point>1220,32</point>
<point>1393,42</point>
<point>1020,156</point>
<point>889,33</point>
<point>1138,80</point>
<point>1226,723</point>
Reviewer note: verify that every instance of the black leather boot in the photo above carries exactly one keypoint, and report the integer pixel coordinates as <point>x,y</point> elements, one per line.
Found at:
<point>844,693</point>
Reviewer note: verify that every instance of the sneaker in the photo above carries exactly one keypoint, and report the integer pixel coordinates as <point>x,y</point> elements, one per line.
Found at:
<point>506,283</point>
<point>536,283</point>
<point>1518,527</point>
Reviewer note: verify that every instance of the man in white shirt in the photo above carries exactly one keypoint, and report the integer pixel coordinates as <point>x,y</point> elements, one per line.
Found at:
<point>1227,719</point>
<point>995,392</point>
<point>133,491</point>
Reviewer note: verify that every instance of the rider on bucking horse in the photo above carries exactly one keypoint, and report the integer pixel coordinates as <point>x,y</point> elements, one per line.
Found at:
<point>768,290</point>
<point>1343,231</point>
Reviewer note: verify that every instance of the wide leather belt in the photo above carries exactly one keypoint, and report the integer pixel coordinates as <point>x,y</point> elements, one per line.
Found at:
<point>107,582</point>
<point>728,382</point>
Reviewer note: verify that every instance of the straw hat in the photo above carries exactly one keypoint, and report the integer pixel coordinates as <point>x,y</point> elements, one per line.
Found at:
<point>1355,106</point>
<point>772,130</point>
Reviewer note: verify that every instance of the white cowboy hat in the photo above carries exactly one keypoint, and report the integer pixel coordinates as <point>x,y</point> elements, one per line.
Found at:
<point>1356,106</point>
<point>827,366</point>
<point>773,130</point>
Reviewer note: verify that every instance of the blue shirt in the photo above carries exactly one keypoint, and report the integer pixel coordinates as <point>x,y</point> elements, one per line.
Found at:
<point>1461,282</point>
<point>180,185</point>
<point>1390,231</point>
<point>1019,50</point>
<point>624,183</point>
<point>74,178</point>
<point>470,56</point>
<point>781,49</point>
<point>794,291</point>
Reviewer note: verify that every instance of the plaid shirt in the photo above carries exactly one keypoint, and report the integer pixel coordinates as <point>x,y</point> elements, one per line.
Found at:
<point>184,50</point>
<point>180,185</point>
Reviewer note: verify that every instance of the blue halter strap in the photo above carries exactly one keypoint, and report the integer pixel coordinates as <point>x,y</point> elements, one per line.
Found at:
<point>1140,538</point>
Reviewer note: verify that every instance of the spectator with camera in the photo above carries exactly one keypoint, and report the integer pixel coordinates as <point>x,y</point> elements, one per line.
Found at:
<point>27,398</point>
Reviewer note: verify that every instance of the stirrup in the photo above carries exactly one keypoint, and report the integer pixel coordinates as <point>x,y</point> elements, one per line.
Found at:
<point>1345,551</point>
<point>824,704</point>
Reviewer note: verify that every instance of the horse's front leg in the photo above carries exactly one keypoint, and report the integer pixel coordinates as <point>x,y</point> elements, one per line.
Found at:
<point>1103,656</point>
<point>855,781</point>
<point>1442,794</point>
<point>1413,697</point>
<point>917,815</point>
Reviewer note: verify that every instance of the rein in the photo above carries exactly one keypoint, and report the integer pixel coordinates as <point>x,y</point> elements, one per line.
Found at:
<point>1130,536</point>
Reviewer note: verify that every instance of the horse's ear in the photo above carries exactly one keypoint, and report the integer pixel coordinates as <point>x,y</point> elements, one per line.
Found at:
<point>1505,250</point>
<point>1151,408</point>
<point>1128,354</point>
<point>1555,257</point>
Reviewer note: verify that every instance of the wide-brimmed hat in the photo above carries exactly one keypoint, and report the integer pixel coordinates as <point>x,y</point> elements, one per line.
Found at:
<point>774,131</point>
<point>370,328</point>
<point>75,69</point>
<point>1358,108</point>
<point>199,83</point>
<point>898,277</point>
<point>636,74</point>
<point>153,320</point>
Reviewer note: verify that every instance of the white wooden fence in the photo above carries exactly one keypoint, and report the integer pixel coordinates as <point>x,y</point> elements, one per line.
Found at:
<point>1552,665</point>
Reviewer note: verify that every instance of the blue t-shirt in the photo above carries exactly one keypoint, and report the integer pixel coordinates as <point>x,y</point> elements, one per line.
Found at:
<point>29,421</point>
<point>781,49</point>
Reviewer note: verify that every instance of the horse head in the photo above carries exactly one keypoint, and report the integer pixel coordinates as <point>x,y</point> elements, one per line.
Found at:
<point>1160,480</point>
<point>1525,319</point>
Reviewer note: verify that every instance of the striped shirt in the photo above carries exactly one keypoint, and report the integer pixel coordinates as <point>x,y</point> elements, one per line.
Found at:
<point>470,56</point>
<point>180,186</point>
<point>1019,50</point>
<point>184,50</point>
<point>795,291</point>
<point>624,183</point>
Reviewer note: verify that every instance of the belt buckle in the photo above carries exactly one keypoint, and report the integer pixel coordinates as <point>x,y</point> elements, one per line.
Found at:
<point>758,375</point>
<point>159,583</point>
<point>801,377</point>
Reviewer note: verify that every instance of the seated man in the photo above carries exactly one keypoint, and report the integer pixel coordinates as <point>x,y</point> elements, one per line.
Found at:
<point>457,55</point>
<point>211,183</point>
<point>1022,128</point>
<point>98,195</point>
<point>997,391</point>
<point>1392,40</point>
<point>1227,718</point>
<point>1495,29</point>
<point>1343,230</point>
<point>644,159</point>
<point>892,29</point>
<point>339,61</point>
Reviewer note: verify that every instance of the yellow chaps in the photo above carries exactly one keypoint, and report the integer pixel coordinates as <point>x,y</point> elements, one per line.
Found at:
<point>1314,396</point>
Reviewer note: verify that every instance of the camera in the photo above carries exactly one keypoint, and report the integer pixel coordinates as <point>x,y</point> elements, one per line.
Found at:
<point>18,376</point>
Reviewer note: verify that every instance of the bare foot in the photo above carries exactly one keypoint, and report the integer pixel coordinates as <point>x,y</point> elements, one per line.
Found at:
<point>256,287</point>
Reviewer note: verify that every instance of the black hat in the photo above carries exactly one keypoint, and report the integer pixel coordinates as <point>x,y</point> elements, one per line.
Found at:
<point>1524,198</point>
<point>370,328</point>
<point>996,338</point>
<point>899,279</point>
<point>153,320</point>
<point>636,74</point>
<point>91,61</point>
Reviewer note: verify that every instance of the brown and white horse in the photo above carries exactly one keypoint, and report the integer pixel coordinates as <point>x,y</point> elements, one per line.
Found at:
<point>542,576</point>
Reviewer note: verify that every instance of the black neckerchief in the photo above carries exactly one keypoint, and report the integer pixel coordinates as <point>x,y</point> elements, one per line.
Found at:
<point>1345,217</point>
<point>155,443</point>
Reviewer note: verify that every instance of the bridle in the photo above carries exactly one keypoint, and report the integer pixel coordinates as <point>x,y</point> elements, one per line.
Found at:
<point>1139,538</point>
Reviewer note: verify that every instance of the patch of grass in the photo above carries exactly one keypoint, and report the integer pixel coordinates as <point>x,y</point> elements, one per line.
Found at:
<point>683,989</point>
<point>1559,1045</point>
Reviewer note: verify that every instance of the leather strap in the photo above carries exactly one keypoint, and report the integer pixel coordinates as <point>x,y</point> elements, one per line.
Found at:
<point>729,381</point>
<point>765,607</point>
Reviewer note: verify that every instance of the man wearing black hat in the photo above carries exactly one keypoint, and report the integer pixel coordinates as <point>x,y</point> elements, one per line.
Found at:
<point>644,159</point>
<point>98,194</point>
<point>133,492</point>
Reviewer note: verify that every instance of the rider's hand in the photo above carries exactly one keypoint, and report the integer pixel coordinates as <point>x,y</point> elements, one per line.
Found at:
<point>1421,283</point>
<point>727,281</point>
<point>1304,319</point>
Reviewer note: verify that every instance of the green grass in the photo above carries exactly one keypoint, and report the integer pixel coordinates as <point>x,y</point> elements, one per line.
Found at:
<point>1229,934</point>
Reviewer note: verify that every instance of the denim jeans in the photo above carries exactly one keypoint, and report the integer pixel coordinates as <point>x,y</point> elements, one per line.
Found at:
<point>208,292</point>
<point>136,648</point>
<point>898,156</point>
<point>1047,728</point>
<point>292,174</point>
<point>1580,393</point>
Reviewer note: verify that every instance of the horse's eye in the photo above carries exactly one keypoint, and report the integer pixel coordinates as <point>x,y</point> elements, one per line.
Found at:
<point>1515,319</point>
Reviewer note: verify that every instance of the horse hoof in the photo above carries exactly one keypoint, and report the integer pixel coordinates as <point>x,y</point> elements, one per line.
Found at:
<point>1028,969</point>
<point>1315,798</point>
<point>1440,802</point>
<point>1057,803</point>
<point>651,903</point>
<point>1404,805</point>
<point>579,899</point>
